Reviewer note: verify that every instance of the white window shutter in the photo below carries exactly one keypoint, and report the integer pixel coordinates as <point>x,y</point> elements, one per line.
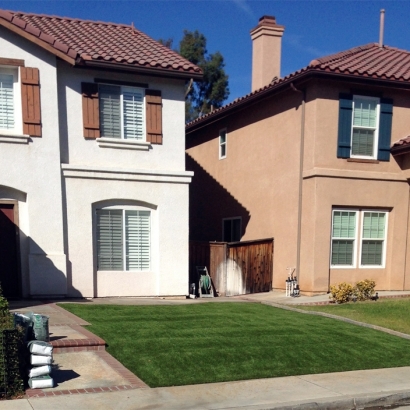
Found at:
<point>137,236</point>
<point>110,240</point>
<point>6,102</point>
<point>110,111</point>
<point>133,112</point>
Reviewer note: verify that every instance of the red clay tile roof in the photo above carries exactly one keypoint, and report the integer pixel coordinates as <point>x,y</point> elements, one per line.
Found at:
<point>401,146</point>
<point>369,61</point>
<point>87,42</point>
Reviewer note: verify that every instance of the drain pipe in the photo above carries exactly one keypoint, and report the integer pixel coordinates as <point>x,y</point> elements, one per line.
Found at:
<point>302,146</point>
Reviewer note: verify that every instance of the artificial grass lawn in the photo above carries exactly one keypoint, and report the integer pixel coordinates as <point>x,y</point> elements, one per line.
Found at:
<point>215,342</point>
<point>391,313</point>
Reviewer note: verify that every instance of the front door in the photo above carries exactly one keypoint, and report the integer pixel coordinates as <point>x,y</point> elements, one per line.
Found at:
<point>8,252</point>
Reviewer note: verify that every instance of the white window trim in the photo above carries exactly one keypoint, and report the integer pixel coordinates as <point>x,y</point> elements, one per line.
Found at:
<point>106,142</point>
<point>117,142</point>
<point>123,209</point>
<point>223,144</point>
<point>355,239</point>
<point>383,265</point>
<point>17,131</point>
<point>231,219</point>
<point>376,129</point>
<point>358,239</point>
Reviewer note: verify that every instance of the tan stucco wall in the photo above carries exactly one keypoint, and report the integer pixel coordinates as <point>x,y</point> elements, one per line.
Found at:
<point>261,172</point>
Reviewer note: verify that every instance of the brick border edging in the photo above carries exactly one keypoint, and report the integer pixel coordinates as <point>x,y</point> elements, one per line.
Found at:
<point>70,315</point>
<point>134,381</point>
<point>92,343</point>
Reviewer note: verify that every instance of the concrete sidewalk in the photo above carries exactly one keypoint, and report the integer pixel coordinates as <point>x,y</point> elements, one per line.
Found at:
<point>89,378</point>
<point>348,390</point>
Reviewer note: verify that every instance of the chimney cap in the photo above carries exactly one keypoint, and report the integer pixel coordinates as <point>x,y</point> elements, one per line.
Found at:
<point>267,20</point>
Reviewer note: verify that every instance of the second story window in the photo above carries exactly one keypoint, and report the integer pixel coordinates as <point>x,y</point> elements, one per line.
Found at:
<point>222,143</point>
<point>122,112</point>
<point>365,125</point>
<point>7,121</point>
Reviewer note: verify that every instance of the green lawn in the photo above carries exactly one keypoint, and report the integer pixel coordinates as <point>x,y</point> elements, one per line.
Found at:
<point>215,342</point>
<point>391,313</point>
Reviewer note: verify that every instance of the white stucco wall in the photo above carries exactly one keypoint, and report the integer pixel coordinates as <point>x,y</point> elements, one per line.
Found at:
<point>32,166</point>
<point>165,195</point>
<point>59,180</point>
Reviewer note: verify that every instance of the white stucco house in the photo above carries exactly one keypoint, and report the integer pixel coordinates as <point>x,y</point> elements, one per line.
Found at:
<point>93,186</point>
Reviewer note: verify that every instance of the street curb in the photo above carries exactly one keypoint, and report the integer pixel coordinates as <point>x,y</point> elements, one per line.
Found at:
<point>364,401</point>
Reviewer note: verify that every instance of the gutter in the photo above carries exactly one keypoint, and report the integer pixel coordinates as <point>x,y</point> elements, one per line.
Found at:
<point>158,72</point>
<point>302,149</point>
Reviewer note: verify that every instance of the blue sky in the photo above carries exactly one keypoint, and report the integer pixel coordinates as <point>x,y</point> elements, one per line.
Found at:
<point>313,28</point>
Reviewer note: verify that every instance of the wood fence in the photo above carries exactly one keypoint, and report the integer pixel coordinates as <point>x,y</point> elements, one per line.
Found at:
<point>236,268</point>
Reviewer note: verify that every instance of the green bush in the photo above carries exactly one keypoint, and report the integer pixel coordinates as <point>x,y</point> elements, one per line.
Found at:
<point>12,354</point>
<point>345,292</point>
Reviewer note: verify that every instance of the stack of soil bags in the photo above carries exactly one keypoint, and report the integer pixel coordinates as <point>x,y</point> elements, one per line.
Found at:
<point>41,359</point>
<point>37,336</point>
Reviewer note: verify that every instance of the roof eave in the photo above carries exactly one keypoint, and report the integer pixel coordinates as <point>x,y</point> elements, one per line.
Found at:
<point>36,40</point>
<point>400,150</point>
<point>297,79</point>
<point>155,71</point>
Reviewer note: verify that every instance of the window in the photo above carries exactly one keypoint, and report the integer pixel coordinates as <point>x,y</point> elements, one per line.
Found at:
<point>123,240</point>
<point>360,232</point>
<point>7,100</point>
<point>364,131</point>
<point>364,127</point>
<point>231,229</point>
<point>122,113</point>
<point>20,109</point>
<point>222,144</point>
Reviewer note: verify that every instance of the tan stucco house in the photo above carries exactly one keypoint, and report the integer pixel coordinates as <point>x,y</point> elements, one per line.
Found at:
<point>319,160</point>
<point>93,184</point>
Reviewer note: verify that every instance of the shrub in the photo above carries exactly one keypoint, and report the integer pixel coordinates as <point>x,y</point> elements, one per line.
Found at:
<point>364,289</point>
<point>12,352</point>
<point>342,292</point>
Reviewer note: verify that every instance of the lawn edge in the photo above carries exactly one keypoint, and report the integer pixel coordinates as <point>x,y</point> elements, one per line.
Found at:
<point>340,318</point>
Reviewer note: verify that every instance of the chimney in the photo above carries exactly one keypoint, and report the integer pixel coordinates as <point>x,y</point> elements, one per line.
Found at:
<point>266,51</point>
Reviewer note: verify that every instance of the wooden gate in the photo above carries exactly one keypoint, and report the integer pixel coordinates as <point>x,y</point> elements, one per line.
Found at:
<point>235,268</point>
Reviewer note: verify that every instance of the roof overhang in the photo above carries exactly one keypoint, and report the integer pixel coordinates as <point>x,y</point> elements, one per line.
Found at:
<point>69,58</point>
<point>154,71</point>
<point>298,80</point>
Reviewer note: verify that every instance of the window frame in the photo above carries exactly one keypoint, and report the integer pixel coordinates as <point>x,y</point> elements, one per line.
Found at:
<point>375,128</point>
<point>359,238</point>
<point>17,108</point>
<point>223,146</point>
<point>234,218</point>
<point>124,210</point>
<point>121,88</point>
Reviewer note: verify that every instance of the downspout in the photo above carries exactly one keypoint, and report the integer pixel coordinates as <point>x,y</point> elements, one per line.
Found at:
<point>302,146</point>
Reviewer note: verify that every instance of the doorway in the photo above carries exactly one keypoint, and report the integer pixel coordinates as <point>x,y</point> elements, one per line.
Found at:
<point>9,272</point>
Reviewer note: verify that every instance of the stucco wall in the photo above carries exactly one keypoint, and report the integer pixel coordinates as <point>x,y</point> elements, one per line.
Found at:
<point>30,174</point>
<point>261,173</point>
<point>58,179</point>
<point>167,199</point>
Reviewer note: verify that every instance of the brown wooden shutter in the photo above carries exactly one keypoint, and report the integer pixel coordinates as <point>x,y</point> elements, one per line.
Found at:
<point>30,98</point>
<point>153,101</point>
<point>91,113</point>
